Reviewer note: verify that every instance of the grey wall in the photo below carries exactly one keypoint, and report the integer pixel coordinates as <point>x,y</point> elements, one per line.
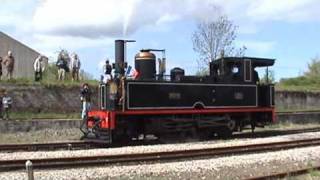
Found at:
<point>38,98</point>
<point>23,55</point>
<point>297,100</point>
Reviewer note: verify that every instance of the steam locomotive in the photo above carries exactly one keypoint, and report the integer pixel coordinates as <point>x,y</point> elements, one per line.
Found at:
<point>229,99</point>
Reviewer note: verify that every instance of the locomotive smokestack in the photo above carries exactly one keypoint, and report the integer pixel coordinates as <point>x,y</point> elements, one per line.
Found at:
<point>120,56</point>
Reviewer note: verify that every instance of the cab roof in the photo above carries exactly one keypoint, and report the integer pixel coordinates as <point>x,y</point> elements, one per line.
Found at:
<point>256,62</point>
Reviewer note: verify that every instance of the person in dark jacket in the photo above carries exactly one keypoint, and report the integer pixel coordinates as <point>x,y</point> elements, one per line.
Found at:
<point>1,105</point>
<point>107,69</point>
<point>0,68</point>
<point>62,65</point>
<point>85,97</point>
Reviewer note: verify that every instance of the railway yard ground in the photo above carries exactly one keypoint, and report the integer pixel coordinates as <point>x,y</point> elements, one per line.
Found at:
<point>63,134</point>
<point>240,166</point>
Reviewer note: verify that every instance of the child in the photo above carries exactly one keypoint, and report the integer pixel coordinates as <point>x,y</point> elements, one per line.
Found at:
<point>6,104</point>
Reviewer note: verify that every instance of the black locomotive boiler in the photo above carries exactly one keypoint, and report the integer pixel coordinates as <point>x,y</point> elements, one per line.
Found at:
<point>227,100</point>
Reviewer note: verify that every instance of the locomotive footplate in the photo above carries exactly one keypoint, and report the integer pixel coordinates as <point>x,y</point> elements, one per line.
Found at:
<point>99,135</point>
<point>94,131</point>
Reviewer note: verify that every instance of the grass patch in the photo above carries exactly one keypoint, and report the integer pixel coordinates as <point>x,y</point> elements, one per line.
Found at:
<point>314,173</point>
<point>50,79</point>
<point>284,110</point>
<point>31,115</point>
<point>302,88</point>
<point>303,83</point>
<point>290,125</point>
<point>49,83</point>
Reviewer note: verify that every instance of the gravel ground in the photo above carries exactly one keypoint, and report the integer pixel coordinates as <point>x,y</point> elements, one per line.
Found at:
<point>51,135</point>
<point>153,148</point>
<point>46,135</point>
<point>233,167</point>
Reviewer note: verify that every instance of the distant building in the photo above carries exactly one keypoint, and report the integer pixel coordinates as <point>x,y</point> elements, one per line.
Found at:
<point>24,56</point>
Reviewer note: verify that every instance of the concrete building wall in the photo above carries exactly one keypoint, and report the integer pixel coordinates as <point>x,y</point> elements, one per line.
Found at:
<point>24,56</point>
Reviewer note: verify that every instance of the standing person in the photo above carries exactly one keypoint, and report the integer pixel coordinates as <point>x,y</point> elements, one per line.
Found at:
<point>62,65</point>
<point>1,105</point>
<point>39,67</point>
<point>6,104</point>
<point>75,67</point>
<point>9,64</point>
<point>107,69</point>
<point>0,68</point>
<point>85,96</point>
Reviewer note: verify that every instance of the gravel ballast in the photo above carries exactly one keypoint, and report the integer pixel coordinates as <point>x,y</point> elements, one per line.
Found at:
<point>233,167</point>
<point>41,136</point>
<point>153,148</point>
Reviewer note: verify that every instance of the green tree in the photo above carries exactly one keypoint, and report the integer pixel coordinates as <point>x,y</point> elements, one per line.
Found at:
<point>212,38</point>
<point>268,77</point>
<point>313,68</point>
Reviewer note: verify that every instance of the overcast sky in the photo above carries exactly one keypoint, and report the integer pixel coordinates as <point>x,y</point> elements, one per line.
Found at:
<point>287,30</point>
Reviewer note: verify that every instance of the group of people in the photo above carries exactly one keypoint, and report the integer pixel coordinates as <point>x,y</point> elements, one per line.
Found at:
<point>5,104</point>
<point>66,64</point>
<point>8,63</point>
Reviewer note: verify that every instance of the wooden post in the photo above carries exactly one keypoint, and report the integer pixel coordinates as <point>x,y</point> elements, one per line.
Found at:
<point>29,168</point>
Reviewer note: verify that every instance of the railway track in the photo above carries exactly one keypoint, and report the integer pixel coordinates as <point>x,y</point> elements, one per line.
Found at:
<point>74,145</point>
<point>286,174</point>
<point>9,165</point>
<point>269,133</point>
<point>50,146</point>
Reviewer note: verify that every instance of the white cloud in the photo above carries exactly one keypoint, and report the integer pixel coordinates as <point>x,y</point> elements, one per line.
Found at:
<point>49,45</point>
<point>97,18</point>
<point>251,14</point>
<point>258,47</point>
<point>284,10</point>
<point>14,13</point>
<point>89,23</point>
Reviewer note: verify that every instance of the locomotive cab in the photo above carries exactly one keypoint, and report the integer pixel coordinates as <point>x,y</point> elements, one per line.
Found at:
<point>238,69</point>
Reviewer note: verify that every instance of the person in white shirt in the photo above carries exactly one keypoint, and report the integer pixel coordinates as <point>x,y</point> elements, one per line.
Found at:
<point>75,67</point>
<point>39,67</point>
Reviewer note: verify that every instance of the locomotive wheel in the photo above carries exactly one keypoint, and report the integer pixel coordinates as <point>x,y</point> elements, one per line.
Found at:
<point>204,134</point>
<point>224,132</point>
<point>231,125</point>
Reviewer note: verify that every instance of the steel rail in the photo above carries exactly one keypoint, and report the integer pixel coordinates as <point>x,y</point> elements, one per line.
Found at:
<point>49,146</point>
<point>8,165</point>
<point>97,144</point>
